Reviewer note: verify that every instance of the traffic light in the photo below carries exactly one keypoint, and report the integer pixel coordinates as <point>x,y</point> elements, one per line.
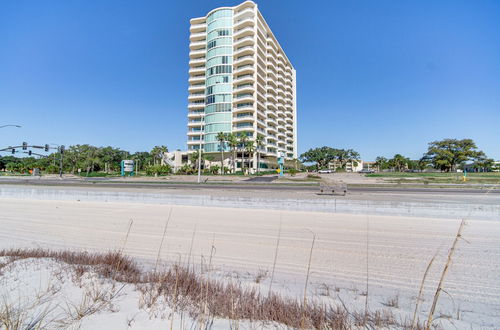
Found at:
<point>46,147</point>
<point>25,145</point>
<point>29,153</point>
<point>62,149</point>
<point>13,151</point>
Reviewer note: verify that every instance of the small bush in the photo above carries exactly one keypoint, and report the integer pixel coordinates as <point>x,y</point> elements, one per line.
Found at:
<point>158,170</point>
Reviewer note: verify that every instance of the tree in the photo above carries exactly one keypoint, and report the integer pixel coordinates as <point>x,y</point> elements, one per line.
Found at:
<point>382,163</point>
<point>352,157</point>
<point>232,141</point>
<point>448,153</point>
<point>259,143</point>
<point>141,158</point>
<point>483,163</point>
<point>422,163</point>
<point>242,139</point>
<point>195,157</point>
<point>221,137</point>
<point>398,162</point>
<point>324,155</point>
<point>320,156</point>
<point>250,148</point>
<point>158,152</point>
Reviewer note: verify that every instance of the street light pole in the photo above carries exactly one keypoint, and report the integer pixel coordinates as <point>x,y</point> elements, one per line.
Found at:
<point>10,125</point>
<point>199,157</point>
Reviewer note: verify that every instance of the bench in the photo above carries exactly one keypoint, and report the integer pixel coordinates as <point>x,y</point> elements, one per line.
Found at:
<point>332,189</point>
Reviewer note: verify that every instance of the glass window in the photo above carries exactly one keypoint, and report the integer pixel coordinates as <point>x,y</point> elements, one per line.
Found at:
<point>219,107</point>
<point>219,60</point>
<point>219,80</point>
<point>219,14</point>
<point>224,32</point>
<point>216,128</point>
<point>220,23</point>
<point>219,69</point>
<point>224,50</point>
<point>217,118</point>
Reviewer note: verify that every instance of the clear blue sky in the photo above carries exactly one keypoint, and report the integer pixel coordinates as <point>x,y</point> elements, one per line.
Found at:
<point>382,77</point>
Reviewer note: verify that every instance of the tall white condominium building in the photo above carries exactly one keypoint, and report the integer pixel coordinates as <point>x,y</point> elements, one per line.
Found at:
<point>240,82</point>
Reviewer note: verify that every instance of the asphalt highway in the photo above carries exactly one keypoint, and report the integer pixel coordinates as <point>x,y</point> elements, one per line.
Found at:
<point>100,182</point>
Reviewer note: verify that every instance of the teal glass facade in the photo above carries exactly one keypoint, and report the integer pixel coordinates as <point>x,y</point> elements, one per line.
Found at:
<point>219,77</point>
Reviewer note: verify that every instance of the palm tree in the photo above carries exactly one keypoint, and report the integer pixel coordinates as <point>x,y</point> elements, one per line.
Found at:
<point>250,148</point>
<point>242,139</point>
<point>221,137</point>
<point>399,162</point>
<point>232,141</point>
<point>158,152</point>
<point>259,143</point>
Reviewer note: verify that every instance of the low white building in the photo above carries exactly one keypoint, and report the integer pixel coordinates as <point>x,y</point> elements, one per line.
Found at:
<point>350,166</point>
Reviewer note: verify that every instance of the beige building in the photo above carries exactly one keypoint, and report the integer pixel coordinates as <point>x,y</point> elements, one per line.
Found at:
<point>350,166</point>
<point>241,82</point>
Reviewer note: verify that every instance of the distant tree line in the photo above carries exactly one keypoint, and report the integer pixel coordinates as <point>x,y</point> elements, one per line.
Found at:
<point>88,159</point>
<point>323,156</point>
<point>446,155</point>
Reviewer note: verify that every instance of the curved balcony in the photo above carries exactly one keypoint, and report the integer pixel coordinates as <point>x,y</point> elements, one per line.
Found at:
<point>246,78</point>
<point>193,106</point>
<point>242,60</point>
<point>194,97</point>
<point>243,109</point>
<point>245,50</point>
<point>245,98</point>
<point>272,129</point>
<point>246,31</point>
<point>272,83</point>
<point>197,70</point>
<point>271,105</point>
<point>197,36</point>
<point>196,79</point>
<point>244,69</point>
<point>243,13</point>
<point>244,41</point>
<point>196,44</point>
<point>197,61</point>
<point>243,119</point>
<point>271,114</point>
<point>192,114</point>
<point>239,24</point>
<point>271,98</point>
<point>271,121</point>
<point>243,128</point>
<point>244,88</point>
<point>197,53</point>
<point>196,88</point>
<point>197,28</point>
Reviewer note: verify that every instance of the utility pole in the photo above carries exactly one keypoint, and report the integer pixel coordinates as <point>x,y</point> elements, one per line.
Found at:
<point>61,151</point>
<point>199,156</point>
<point>199,163</point>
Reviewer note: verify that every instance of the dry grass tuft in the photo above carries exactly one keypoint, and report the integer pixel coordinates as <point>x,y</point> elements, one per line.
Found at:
<point>186,291</point>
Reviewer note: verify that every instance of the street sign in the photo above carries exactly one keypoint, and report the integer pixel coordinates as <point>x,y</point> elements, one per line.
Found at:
<point>127,167</point>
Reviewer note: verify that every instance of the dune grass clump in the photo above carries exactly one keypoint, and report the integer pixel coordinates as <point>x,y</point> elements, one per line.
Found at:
<point>184,290</point>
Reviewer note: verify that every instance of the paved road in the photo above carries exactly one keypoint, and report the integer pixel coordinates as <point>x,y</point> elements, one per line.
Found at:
<point>245,185</point>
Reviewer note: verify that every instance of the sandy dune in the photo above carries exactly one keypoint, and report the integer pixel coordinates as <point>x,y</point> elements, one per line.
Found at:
<point>398,248</point>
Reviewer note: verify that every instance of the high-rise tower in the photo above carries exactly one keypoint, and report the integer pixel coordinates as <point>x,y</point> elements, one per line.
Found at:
<point>241,82</point>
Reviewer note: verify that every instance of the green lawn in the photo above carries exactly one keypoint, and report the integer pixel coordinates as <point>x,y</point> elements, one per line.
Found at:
<point>404,177</point>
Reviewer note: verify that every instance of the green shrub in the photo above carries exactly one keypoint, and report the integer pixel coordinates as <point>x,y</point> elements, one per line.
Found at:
<point>185,169</point>
<point>158,170</point>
